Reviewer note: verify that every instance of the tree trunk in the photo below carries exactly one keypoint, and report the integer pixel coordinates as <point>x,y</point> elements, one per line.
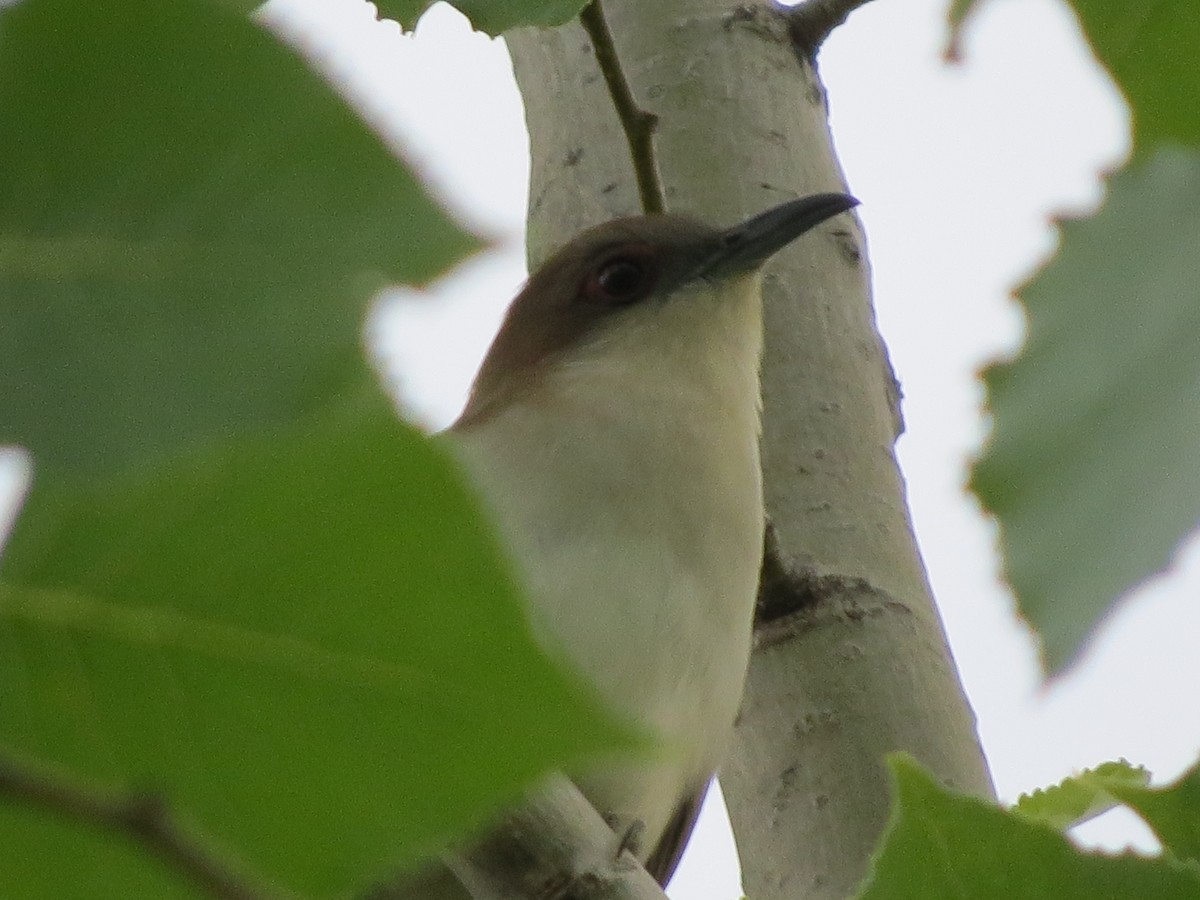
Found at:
<point>851,662</point>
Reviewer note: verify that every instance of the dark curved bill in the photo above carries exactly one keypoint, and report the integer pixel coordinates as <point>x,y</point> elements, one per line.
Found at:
<point>749,245</point>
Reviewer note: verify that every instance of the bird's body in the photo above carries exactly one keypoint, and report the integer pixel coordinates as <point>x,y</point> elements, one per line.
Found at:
<point>612,432</point>
<point>647,526</point>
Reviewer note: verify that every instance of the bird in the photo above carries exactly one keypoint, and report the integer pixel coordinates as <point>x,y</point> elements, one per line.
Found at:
<point>612,434</point>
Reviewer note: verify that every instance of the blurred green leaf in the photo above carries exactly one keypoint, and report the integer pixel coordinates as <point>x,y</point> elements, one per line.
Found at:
<point>947,845</point>
<point>305,640</point>
<point>238,581</point>
<point>1092,468</point>
<point>490,16</point>
<point>1172,812</point>
<point>957,13</point>
<point>191,224</point>
<point>1151,50</point>
<point>1081,797</point>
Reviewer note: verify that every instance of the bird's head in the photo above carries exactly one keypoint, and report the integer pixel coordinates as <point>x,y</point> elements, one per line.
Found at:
<point>638,292</point>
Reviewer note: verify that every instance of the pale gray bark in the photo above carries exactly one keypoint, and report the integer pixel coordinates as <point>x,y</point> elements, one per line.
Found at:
<point>854,662</point>
<point>553,846</point>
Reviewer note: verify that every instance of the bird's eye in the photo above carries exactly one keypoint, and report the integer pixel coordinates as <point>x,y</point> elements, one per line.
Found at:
<point>621,280</point>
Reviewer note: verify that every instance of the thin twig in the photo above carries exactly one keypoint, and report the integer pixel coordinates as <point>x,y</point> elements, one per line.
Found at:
<point>812,21</point>
<point>637,122</point>
<point>145,818</point>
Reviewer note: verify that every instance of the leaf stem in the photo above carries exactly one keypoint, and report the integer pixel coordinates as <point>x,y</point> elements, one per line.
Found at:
<point>638,123</point>
<point>143,816</point>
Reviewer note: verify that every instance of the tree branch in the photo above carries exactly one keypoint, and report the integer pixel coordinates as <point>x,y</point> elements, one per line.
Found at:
<point>552,846</point>
<point>812,21</point>
<point>144,817</point>
<point>863,669</point>
<point>638,123</point>
<point>556,847</point>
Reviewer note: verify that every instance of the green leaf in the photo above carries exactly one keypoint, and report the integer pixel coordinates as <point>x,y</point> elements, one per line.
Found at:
<point>947,845</point>
<point>238,581</point>
<point>491,16</point>
<point>1092,469</point>
<point>191,223</point>
<point>1151,50</point>
<point>305,641</point>
<point>1172,812</point>
<point>1081,797</point>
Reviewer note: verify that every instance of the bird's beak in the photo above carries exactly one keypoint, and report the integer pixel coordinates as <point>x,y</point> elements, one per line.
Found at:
<point>747,246</point>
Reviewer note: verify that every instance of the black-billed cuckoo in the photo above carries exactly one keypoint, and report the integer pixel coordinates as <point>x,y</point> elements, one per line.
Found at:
<point>613,431</point>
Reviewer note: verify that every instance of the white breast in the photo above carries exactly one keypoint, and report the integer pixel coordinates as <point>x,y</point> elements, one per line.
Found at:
<point>628,488</point>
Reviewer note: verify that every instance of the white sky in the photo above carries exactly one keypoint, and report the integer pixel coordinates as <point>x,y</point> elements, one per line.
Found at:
<point>959,169</point>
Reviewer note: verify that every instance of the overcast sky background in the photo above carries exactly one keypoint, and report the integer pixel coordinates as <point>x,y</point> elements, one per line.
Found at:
<point>959,170</point>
